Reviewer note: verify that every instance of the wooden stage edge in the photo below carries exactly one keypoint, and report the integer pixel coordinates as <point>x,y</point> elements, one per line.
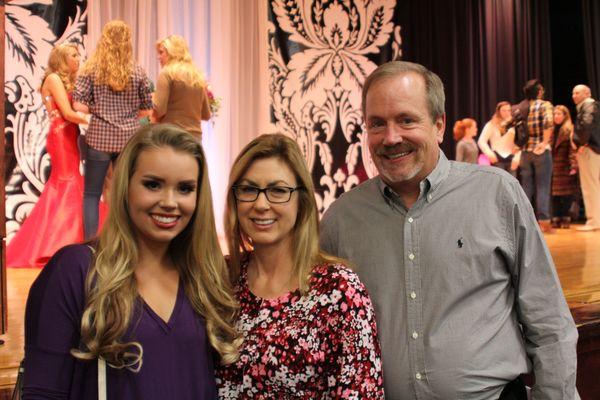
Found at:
<point>577,259</point>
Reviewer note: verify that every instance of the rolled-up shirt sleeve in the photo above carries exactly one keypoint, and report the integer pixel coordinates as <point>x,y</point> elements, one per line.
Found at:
<point>549,332</point>
<point>83,92</point>
<point>145,90</point>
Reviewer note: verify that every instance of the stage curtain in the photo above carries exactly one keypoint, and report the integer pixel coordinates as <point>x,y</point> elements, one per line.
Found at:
<point>484,51</point>
<point>591,34</point>
<point>228,40</point>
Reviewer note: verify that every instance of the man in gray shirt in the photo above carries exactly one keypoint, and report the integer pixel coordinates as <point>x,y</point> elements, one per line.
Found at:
<point>465,290</point>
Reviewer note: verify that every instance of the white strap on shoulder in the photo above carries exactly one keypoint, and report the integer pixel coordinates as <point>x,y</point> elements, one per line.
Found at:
<point>101,379</point>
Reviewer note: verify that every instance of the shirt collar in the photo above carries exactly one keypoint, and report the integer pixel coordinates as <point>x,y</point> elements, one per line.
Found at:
<point>428,186</point>
<point>587,100</point>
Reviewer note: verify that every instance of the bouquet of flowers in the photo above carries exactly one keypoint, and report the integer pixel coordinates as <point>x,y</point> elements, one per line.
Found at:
<point>213,102</point>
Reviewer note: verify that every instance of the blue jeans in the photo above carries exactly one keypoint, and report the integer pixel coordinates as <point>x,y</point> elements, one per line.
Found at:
<point>536,179</point>
<point>96,165</point>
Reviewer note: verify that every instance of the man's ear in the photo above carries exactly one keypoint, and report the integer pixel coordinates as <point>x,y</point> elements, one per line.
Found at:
<point>440,126</point>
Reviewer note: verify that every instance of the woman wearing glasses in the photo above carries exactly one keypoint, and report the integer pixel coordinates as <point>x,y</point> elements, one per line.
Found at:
<point>306,319</point>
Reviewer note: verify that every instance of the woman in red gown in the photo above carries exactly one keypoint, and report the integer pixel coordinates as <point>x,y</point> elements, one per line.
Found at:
<point>56,219</point>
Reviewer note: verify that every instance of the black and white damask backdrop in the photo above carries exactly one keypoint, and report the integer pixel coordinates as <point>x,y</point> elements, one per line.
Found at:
<point>320,52</point>
<point>32,29</point>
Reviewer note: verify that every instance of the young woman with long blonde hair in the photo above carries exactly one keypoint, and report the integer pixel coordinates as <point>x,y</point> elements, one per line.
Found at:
<point>151,296</point>
<point>117,93</point>
<point>180,96</point>
<point>56,219</point>
<point>307,321</point>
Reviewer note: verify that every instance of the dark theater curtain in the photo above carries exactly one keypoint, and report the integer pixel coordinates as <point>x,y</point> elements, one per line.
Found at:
<point>591,34</point>
<point>484,51</point>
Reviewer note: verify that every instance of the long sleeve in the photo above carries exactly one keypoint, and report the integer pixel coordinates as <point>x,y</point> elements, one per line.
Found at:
<point>587,121</point>
<point>548,327</point>
<point>357,361</point>
<point>161,96</point>
<point>144,90</point>
<point>83,92</point>
<point>52,321</point>
<point>572,155</point>
<point>484,139</point>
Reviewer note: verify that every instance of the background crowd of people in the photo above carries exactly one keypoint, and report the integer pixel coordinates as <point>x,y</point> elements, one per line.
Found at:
<point>547,163</point>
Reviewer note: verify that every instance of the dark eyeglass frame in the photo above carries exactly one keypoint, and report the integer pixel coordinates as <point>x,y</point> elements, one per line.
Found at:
<point>290,190</point>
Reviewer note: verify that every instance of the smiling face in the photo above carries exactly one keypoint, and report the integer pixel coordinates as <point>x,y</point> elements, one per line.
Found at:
<point>162,195</point>
<point>403,140</point>
<point>265,223</point>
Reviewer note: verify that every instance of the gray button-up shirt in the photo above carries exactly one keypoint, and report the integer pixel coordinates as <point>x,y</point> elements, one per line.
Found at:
<point>465,290</point>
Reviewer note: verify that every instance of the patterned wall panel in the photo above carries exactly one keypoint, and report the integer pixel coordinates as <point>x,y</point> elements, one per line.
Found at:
<point>320,52</point>
<point>32,29</point>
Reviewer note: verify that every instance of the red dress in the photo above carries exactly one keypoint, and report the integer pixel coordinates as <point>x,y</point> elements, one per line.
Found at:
<point>57,218</point>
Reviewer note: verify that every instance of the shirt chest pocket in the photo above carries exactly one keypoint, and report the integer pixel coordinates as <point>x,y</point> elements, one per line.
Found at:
<point>463,258</point>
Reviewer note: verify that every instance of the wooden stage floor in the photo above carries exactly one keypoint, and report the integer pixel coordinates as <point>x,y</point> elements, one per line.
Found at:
<point>576,255</point>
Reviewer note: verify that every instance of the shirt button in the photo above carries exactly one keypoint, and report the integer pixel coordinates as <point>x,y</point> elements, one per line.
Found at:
<point>411,256</point>
<point>410,220</point>
<point>415,335</point>
<point>418,376</point>
<point>413,295</point>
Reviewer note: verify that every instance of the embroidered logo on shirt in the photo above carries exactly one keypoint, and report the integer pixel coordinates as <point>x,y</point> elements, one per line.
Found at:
<point>460,242</point>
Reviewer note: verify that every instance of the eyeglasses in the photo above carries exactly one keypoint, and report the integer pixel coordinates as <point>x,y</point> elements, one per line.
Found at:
<point>274,194</point>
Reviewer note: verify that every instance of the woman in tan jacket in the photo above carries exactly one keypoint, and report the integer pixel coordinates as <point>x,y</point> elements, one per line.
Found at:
<point>180,98</point>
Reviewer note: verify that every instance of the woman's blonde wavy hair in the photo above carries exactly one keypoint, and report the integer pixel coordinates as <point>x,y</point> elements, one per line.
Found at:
<point>306,252</point>
<point>180,65</point>
<point>57,64</point>
<point>112,62</point>
<point>111,286</point>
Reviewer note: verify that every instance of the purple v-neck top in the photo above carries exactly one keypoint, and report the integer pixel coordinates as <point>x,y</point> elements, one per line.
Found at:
<point>177,359</point>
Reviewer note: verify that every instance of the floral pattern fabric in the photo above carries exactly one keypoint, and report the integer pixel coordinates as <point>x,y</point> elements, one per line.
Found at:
<point>320,346</point>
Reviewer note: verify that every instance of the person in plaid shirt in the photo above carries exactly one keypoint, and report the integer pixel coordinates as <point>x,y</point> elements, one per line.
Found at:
<point>117,92</point>
<point>536,157</point>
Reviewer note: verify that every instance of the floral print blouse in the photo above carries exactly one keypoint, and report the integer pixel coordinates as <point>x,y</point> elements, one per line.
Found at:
<point>320,346</point>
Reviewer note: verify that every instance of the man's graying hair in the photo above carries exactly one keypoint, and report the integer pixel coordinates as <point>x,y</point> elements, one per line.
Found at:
<point>434,87</point>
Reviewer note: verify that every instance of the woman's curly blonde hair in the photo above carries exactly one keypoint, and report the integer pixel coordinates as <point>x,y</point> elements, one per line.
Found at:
<point>112,62</point>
